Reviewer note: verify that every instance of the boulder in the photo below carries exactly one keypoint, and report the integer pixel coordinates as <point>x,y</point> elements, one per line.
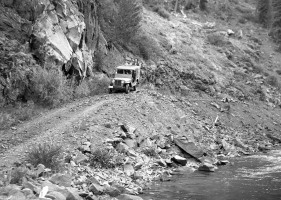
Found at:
<point>272,137</point>
<point>12,192</point>
<point>129,169</point>
<point>128,197</point>
<point>146,143</point>
<point>122,148</point>
<point>31,186</point>
<point>161,163</point>
<point>112,191</point>
<point>130,143</point>
<point>227,147</point>
<point>190,148</point>
<point>138,175</point>
<point>180,160</point>
<point>207,167</point>
<point>55,195</point>
<point>73,194</point>
<point>80,158</point>
<point>239,143</point>
<point>96,189</point>
<point>61,180</point>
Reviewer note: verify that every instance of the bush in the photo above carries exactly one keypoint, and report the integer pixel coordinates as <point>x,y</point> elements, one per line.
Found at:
<point>82,90</point>
<point>273,81</point>
<point>99,61</point>
<point>50,155</point>
<point>162,12</point>
<point>98,86</point>
<point>216,39</point>
<point>49,87</point>
<point>146,47</point>
<point>106,158</point>
<point>17,175</point>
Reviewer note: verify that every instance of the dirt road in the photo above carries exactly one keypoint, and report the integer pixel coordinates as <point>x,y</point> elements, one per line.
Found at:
<point>50,126</point>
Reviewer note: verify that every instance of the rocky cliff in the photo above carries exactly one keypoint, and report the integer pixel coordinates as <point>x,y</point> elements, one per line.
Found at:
<point>56,34</point>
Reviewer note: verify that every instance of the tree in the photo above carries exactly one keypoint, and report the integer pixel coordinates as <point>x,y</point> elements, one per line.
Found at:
<point>176,6</point>
<point>202,4</point>
<point>264,12</point>
<point>276,21</point>
<point>127,21</point>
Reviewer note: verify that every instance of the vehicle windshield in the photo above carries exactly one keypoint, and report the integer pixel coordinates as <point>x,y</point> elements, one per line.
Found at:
<point>124,71</point>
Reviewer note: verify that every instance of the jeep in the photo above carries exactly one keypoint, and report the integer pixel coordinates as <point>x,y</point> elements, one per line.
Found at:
<point>126,78</point>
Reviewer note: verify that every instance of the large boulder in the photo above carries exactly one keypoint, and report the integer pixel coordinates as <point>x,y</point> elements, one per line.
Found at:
<point>190,148</point>
<point>61,180</point>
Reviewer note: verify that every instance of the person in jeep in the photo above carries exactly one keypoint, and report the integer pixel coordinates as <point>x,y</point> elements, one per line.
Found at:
<point>126,78</point>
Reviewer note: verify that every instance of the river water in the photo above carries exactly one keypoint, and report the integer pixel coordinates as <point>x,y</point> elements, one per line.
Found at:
<point>256,177</point>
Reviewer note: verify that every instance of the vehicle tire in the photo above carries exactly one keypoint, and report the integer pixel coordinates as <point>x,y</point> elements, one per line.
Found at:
<point>127,88</point>
<point>110,91</point>
<point>134,88</point>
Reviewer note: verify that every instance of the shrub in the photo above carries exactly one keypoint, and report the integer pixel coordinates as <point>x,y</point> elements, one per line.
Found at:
<point>216,39</point>
<point>273,81</point>
<point>82,90</point>
<point>106,158</point>
<point>146,47</point>
<point>50,155</point>
<point>49,87</point>
<point>98,86</point>
<point>162,12</point>
<point>17,175</point>
<point>99,61</point>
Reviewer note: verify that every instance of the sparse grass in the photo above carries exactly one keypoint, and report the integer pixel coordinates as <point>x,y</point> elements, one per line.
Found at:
<point>106,158</point>
<point>50,155</point>
<point>162,12</point>
<point>13,115</point>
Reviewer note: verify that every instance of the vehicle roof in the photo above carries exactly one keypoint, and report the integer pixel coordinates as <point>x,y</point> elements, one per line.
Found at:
<point>130,67</point>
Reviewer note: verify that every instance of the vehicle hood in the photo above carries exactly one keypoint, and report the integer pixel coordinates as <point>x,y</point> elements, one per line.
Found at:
<point>123,79</point>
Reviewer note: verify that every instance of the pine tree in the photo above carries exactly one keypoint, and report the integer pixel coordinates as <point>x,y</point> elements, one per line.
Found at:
<point>276,21</point>
<point>264,11</point>
<point>127,21</point>
<point>202,4</point>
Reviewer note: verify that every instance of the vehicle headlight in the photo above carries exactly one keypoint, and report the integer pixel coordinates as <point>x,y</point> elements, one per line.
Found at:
<point>113,81</point>
<point>122,82</point>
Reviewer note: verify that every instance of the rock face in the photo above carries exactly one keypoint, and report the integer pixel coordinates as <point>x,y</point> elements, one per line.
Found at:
<point>61,34</point>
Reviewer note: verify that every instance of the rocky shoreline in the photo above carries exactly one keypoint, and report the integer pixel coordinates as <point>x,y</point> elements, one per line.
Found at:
<point>123,166</point>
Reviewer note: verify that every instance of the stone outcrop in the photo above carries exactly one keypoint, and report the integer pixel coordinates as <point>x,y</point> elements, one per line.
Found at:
<point>60,34</point>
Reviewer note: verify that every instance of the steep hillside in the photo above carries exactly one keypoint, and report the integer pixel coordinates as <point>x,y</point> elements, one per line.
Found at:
<point>215,53</point>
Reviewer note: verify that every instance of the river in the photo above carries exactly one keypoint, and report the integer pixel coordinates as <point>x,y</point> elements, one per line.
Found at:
<point>256,177</point>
